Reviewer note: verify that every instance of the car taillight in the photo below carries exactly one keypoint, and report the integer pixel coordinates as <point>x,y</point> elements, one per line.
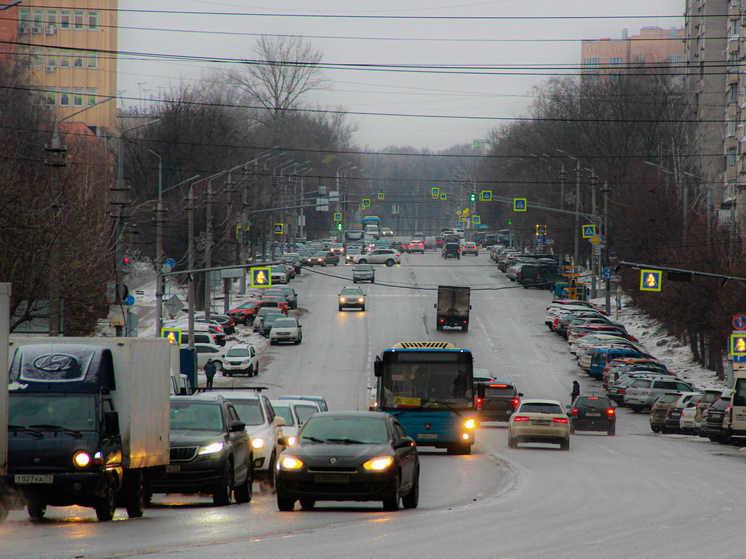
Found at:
<point>479,402</point>
<point>520,418</point>
<point>622,391</point>
<point>559,419</point>
<point>574,412</point>
<point>610,412</point>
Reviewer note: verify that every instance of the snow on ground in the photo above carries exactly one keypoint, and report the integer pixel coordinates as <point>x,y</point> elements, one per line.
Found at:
<point>667,348</point>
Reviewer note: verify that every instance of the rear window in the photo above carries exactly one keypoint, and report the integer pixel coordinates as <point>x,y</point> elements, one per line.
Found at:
<point>669,398</point>
<point>497,392</point>
<point>593,402</point>
<point>599,357</point>
<point>641,383</point>
<point>540,407</point>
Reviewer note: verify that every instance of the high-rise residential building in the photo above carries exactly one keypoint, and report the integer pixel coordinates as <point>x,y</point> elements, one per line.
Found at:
<point>70,47</point>
<point>709,85</point>
<point>607,58</point>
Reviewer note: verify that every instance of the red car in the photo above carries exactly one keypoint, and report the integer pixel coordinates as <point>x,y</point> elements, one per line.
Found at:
<point>246,312</point>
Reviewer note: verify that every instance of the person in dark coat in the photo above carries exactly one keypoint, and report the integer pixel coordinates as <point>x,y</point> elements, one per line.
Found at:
<point>210,370</point>
<point>575,390</point>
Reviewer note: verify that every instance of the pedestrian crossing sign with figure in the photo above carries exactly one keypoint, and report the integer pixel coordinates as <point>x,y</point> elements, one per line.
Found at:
<point>173,335</point>
<point>737,344</point>
<point>485,196</point>
<point>261,277</point>
<point>519,204</point>
<point>589,231</point>
<point>650,280</point>
<point>279,228</point>
<point>435,192</point>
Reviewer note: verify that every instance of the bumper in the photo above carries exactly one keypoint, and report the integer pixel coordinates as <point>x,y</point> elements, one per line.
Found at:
<point>546,434</point>
<point>498,414</point>
<point>598,424</point>
<point>357,487</point>
<point>201,475</point>
<point>66,488</point>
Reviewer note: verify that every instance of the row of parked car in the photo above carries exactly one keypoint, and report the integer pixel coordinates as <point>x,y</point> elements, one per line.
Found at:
<point>530,270</point>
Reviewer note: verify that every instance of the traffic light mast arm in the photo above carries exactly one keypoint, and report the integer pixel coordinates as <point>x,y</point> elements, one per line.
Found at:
<point>723,278</point>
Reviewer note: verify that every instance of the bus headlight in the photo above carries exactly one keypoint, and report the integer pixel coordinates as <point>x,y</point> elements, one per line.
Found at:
<point>470,424</point>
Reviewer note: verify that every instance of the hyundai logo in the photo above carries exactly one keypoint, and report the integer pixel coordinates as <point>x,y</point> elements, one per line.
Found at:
<point>332,460</point>
<point>54,363</point>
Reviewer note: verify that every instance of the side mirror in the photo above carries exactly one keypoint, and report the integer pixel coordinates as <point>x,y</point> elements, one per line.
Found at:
<point>111,423</point>
<point>520,394</point>
<point>378,368</point>
<point>237,426</point>
<point>284,441</point>
<point>278,421</point>
<point>405,442</point>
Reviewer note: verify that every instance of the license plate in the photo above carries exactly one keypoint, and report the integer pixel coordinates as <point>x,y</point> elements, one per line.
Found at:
<point>331,478</point>
<point>540,422</point>
<point>173,468</point>
<point>593,415</point>
<point>427,436</point>
<point>26,479</point>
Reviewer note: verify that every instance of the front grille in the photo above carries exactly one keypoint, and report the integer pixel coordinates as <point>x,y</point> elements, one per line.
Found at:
<point>332,469</point>
<point>183,453</point>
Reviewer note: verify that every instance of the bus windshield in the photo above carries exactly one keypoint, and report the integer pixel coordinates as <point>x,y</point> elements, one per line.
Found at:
<point>427,380</point>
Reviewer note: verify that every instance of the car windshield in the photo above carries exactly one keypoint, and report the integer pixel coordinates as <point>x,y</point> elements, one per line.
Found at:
<point>320,254</point>
<point>593,402</point>
<point>284,411</point>
<point>364,268</point>
<point>285,323</point>
<point>351,291</point>
<point>668,398</point>
<point>196,416</point>
<point>238,352</point>
<point>495,391</point>
<point>67,411</point>
<point>271,318</point>
<point>344,430</point>
<point>249,411</point>
<point>541,407</point>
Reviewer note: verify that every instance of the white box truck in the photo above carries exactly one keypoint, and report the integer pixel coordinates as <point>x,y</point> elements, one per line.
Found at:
<point>88,419</point>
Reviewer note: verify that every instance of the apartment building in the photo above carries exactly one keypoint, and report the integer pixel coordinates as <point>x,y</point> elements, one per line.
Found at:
<point>70,47</point>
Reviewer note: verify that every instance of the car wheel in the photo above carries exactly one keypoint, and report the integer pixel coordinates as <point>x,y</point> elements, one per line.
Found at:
<point>218,366</point>
<point>323,264</point>
<point>36,510</point>
<point>243,493</point>
<point>362,261</point>
<point>224,490</point>
<point>285,504</point>
<point>412,499</point>
<point>565,445</point>
<point>336,263</point>
<point>390,262</point>
<point>307,504</point>
<point>354,281</point>
<point>512,443</point>
<point>106,506</point>
<point>611,432</point>
<point>363,308</point>
<point>373,281</point>
<point>391,503</point>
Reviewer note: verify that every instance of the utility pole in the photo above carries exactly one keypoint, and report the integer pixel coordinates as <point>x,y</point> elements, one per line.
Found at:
<point>159,249</point>
<point>563,178</point>
<point>208,253</point>
<point>190,263</point>
<point>606,190</point>
<point>576,258</point>
<point>594,262</point>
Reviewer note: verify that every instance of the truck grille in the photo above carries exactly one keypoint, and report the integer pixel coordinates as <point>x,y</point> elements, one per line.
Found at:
<point>182,453</point>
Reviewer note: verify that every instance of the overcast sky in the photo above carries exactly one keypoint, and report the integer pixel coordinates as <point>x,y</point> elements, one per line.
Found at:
<point>534,47</point>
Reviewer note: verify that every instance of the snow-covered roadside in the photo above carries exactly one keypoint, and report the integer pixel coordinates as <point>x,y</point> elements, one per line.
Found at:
<point>677,357</point>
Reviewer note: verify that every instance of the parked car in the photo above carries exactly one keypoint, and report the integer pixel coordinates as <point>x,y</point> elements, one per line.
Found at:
<point>279,274</point>
<point>227,323</point>
<point>285,330</point>
<point>245,313</point>
<point>541,421</point>
<point>323,258</point>
<point>712,424</point>
<point>363,272</point>
<point>592,413</point>
<point>291,296</point>
<point>617,390</point>
<point>268,321</point>
<point>319,400</point>
<point>497,401</point>
<point>209,351</point>
<point>386,256</point>
<point>688,412</point>
<point>672,421</point>
<point>375,461</point>
<point>351,298</point>
<point>542,275</point>
<point>259,318</point>
<point>643,392</point>
<point>210,451</point>
<point>470,248</point>
<point>241,359</point>
<point>660,409</point>
<point>709,397</point>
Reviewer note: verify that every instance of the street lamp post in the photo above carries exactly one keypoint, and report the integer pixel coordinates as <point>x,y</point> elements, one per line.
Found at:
<point>159,247</point>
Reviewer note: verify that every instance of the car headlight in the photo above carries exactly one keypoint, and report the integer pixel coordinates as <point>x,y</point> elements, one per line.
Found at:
<point>290,463</point>
<point>361,300</point>
<point>469,424</point>
<point>81,459</point>
<point>211,448</point>
<point>378,464</point>
<point>257,443</point>
<point>342,299</point>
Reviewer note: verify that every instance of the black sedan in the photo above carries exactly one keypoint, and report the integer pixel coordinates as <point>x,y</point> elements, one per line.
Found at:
<point>349,456</point>
<point>592,413</point>
<point>210,451</point>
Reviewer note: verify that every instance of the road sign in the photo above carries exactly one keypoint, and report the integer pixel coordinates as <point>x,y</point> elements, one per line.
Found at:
<point>519,204</point>
<point>435,192</point>
<point>739,322</point>
<point>337,216</point>
<point>261,277</point>
<point>173,305</point>
<point>129,300</point>
<point>443,196</point>
<point>361,207</point>
<point>366,202</point>
<point>650,280</point>
<point>596,239</point>
<point>737,344</point>
<point>334,195</point>
<point>607,273</point>
<point>589,231</point>
<point>380,195</point>
<point>322,204</point>
<point>461,219</point>
<point>171,262</point>
<point>475,219</point>
<point>485,196</point>
<point>465,211</point>
<point>279,228</point>
<point>173,335</point>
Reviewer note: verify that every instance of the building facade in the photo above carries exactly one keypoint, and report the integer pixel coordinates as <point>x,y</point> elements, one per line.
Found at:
<point>70,47</point>
<point>606,58</point>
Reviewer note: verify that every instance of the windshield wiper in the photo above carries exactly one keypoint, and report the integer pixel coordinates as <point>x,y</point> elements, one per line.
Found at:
<point>345,441</point>
<point>313,439</point>
<point>25,430</point>
<point>57,428</point>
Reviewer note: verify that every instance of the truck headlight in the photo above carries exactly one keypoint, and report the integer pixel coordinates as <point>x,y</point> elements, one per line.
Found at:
<point>81,459</point>
<point>211,448</point>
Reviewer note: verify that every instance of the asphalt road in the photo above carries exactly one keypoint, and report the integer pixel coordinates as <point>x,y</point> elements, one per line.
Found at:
<point>636,494</point>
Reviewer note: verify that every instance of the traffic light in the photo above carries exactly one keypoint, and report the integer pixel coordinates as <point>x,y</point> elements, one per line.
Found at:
<point>127,258</point>
<point>339,226</point>
<point>473,197</point>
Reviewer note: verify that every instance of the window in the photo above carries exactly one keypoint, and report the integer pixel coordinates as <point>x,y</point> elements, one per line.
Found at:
<point>38,21</point>
<point>77,96</point>
<point>24,20</point>
<point>735,28</point>
<point>730,158</point>
<point>592,62</point>
<point>732,95</point>
<point>78,59</point>
<point>51,97</point>
<point>64,58</point>
<point>732,124</point>
<point>92,21</point>
<point>733,61</point>
<point>64,19</point>
<point>23,56</point>
<point>51,58</point>
<point>92,60</point>
<point>91,95</point>
<point>51,22</point>
<point>78,20</point>
<point>37,57</point>
<point>64,97</point>
<point>615,61</point>
<point>674,58</point>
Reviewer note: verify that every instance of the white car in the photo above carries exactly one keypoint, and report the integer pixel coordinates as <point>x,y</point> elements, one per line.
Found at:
<point>286,330</point>
<point>278,275</point>
<point>386,256</point>
<point>206,351</point>
<point>295,413</point>
<point>264,427</point>
<point>241,359</point>
<point>539,421</point>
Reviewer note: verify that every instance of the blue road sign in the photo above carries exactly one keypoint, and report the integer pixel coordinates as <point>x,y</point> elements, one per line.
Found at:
<point>435,192</point>
<point>475,219</point>
<point>650,280</point>
<point>279,227</point>
<point>737,345</point>
<point>589,231</point>
<point>443,196</point>
<point>739,322</point>
<point>171,262</point>
<point>519,204</point>
<point>172,334</point>
<point>607,273</point>
<point>337,217</point>
<point>261,277</point>
<point>485,196</point>
<point>129,300</point>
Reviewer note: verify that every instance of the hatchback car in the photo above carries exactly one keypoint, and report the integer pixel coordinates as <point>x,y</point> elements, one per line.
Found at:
<point>539,421</point>
<point>352,298</point>
<point>497,401</point>
<point>416,246</point>
<point>592,413</point>
<point>643,392</point>
<point>386,256</point>
<point>210,451</point>
<point>451,250</point>
<point>323,258</point>
<point>285,330</point>
<point>672,413</point>
<point>241,359</point>
<point>350,456</point>
<point>470,248</point>
<point>363,272</point>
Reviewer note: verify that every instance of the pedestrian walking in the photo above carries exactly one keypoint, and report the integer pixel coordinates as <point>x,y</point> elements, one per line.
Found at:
<point>210,370</point>
<point>575,391</point>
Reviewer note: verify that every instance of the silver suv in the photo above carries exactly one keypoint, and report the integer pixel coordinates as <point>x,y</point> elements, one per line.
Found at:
<point>643,392</point>
<point>379,256</point>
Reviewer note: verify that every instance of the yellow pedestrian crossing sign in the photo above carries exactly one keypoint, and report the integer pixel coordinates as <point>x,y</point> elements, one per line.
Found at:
<point>173,335</point>
<point>443,196</point>
<point>380,195</point>
<point>366,202</point>
<point>337,216</point>
<point>589,231</point>
<point>279,228</point>
<point>261,277</point>
<point>519,204</point>
<point>485,196</point>
<point>435,192</point>
<point>476,220</point>
<point>737,344</point>
<point>650,280</point>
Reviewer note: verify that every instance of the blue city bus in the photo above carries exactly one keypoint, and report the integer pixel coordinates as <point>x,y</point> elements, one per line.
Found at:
<point>429,387</point>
